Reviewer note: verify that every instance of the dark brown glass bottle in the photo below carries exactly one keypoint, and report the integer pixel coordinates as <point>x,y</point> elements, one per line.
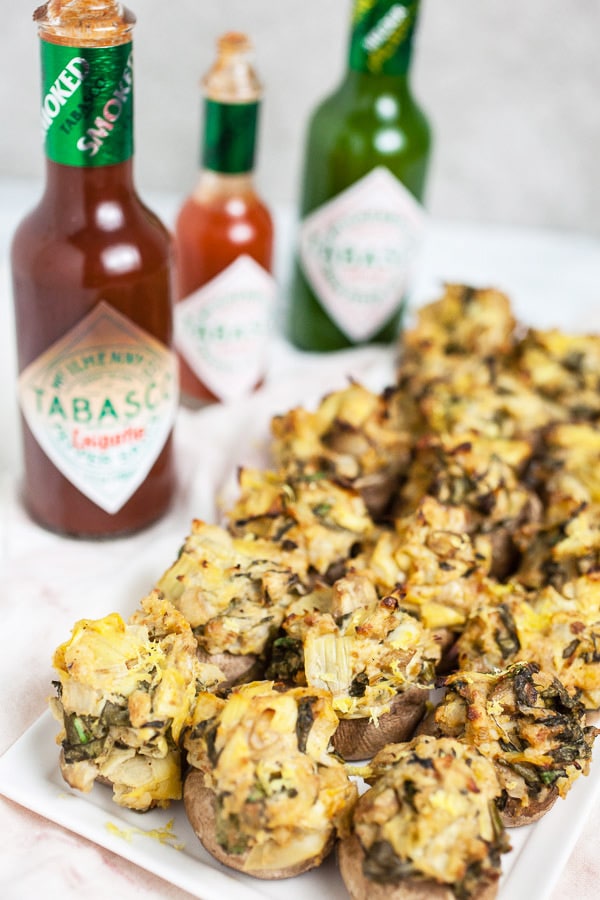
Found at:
<point>92,281</point>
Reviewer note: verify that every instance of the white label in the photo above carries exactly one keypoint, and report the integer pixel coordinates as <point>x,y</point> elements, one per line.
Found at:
<point>358,251</point>
<point>101,403</point>
<point>222,330</point>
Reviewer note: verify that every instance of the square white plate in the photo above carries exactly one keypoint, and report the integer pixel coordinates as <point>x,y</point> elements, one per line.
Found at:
<point>163,842</point>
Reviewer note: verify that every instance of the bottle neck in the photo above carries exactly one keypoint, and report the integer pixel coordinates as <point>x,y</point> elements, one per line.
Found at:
<point>87,104</point>
<point>229,138</point>
<point>213,186</point>
<point>382,36</point>
<point>367,85</point>
<point>77,187</point>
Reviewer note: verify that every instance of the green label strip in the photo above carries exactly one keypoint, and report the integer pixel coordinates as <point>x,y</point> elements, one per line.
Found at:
<point>87,104</point>
<point>229,136</point>
<point>382,33</point>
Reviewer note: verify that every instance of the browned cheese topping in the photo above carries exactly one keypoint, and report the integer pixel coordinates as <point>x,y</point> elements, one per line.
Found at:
<point>526,723</point>
<point>430,814</point>
<point>279,793</point>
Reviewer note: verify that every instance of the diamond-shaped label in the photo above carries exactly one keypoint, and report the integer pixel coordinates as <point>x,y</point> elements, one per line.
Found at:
<point>101,403</point>
<point>222,330</point>
<point>359,249</point>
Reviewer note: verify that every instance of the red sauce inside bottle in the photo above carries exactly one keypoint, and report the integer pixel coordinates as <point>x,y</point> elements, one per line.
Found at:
<point>212,231</point>
<point>62,268</point>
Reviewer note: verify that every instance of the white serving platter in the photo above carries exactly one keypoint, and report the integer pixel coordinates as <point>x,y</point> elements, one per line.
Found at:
<point>162,841</point>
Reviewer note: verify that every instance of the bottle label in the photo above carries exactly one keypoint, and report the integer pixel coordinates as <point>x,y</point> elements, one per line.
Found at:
<point>358,250</point>
<point>222,330</point>
<point>101,403</point>
<point>229,136</point>
<point>382,35</point>
<point>87,104</point>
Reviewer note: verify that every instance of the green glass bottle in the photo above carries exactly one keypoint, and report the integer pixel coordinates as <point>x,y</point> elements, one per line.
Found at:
<point>366,157</point>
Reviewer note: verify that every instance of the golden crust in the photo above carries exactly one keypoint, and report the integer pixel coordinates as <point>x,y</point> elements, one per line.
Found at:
<point>320,519</point>
<point>367,652</point>
<point>526,723</point>
<point>127,693</point>
<point>277,791</point>
<point>557,630</point>
<point>429,816</point>
<point>356,437</point>
<point>232,591</point>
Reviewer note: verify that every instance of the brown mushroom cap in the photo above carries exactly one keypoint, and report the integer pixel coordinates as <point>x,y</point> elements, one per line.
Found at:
<point>515,814</point>
<point>357,739</point>
<point>237,668</point>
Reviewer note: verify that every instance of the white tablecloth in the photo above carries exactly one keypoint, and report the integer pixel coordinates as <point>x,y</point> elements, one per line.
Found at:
<point>48,582</point>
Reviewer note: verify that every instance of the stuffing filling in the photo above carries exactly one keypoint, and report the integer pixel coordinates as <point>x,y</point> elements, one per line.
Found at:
<point>124,695</point>
<point>279,794</point>
<point>450,523</point>
<point>430,814</point>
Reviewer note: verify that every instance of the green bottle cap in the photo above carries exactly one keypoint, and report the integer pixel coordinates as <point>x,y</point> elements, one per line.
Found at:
<point>87,104</point>
<point>382,34</point>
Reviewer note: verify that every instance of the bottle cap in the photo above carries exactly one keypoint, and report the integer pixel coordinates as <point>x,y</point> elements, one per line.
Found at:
<point>85,23</point>
<point>232,78</point>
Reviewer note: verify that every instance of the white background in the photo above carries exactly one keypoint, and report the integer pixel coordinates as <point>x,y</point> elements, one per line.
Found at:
<point>512,88</point>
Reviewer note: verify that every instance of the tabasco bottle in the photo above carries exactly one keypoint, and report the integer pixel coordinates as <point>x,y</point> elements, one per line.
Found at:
<point>92,277</point>
<point>224,242</point>
<point>365,164</point>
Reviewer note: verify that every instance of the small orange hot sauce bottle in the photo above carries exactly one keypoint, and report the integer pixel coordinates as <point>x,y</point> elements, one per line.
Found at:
<point>224,243</point>
<point>92,281</point>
